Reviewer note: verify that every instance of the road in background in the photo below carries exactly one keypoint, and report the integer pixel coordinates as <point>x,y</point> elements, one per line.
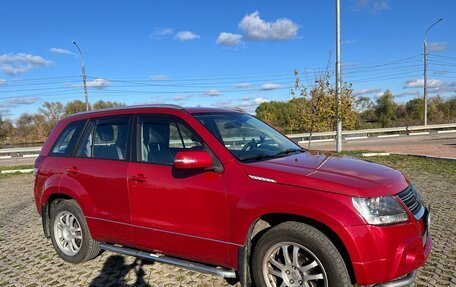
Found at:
<point>437,145</point>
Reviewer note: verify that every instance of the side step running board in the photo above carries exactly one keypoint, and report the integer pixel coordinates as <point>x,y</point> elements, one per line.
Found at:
<point>217,271</point>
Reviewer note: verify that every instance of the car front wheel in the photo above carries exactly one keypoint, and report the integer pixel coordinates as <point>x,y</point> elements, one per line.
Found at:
<point>294,254</point>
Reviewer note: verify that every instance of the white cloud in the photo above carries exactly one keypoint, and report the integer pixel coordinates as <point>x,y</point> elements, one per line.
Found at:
<point>98,84</point>
<point>241,85</point>
<point>419,83</point>
<point>434,85</point>
<point>212,93</point>
<point>161,33</point>
<point>246,103</point>
<point>186,36</point>
<point>180,98</point>
<point>7,105</point>
<point>260,100</point>
<point>407,93</point>
<point>366,91</point>
<point>440,72</point>
<point>60,51</point>
<point>15,64</point>
<point>373,6</point>
<point>159,77</point>
<point>229,39</point>
<point>18,101</point>
<point>350,41</point>
<point>251,104</point>
<point>5,112</point>
<point>269,87</point>
<point>223,104</point>
<point>2,82</point>
<point>256,28</point>
<point>437,46</point>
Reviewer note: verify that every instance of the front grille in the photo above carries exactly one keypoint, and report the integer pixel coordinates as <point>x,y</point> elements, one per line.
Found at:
<point>411,199</point>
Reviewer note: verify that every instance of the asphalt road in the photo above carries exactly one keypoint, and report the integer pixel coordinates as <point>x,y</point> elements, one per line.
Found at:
<point>438,145</point>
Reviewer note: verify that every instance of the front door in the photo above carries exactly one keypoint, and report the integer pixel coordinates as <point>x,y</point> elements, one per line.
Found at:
<point>175,212</point>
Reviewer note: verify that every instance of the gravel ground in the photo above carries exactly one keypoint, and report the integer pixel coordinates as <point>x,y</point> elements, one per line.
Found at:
<point>28,259</point>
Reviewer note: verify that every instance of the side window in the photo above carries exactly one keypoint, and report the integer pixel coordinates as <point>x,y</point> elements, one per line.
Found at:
<point>67,139</point>
<point>161,139</point>
<point>106,139</point>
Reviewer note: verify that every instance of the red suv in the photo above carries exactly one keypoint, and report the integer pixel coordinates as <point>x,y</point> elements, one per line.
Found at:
<point>221,192</point>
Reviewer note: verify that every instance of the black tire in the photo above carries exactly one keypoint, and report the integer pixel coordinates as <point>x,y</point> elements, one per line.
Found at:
<point>89,248</point>
<point>311,239</point>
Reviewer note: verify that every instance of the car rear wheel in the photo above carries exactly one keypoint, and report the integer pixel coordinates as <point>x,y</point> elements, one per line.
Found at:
<point>294,254</point>
<point>69,233</point>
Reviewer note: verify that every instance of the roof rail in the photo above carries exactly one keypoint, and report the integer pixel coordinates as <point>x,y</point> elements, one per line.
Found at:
<point>169,106</point>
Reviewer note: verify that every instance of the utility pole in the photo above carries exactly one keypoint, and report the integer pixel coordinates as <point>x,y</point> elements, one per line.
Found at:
<point>425,70</point>
<point>83,77</point>
<point>338,81</point>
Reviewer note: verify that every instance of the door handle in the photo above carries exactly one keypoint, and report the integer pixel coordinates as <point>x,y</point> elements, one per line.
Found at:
<point>138,178</point>
<point>73,170</point>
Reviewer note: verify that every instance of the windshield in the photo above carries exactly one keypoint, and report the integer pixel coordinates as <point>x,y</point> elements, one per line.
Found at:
<point>246,137</point>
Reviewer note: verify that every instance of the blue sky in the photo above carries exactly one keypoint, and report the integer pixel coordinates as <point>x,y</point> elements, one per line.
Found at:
<point>217,53</point>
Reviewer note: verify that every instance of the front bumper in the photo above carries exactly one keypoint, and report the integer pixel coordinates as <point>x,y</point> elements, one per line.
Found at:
<point>385,253</point>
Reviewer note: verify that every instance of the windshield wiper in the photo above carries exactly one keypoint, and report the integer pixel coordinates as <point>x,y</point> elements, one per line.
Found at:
<point>288,151</point>
<point>258,157</point>
<point>266,156</point>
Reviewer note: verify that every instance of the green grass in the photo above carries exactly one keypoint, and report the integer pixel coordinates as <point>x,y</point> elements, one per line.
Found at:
<point>3,175</point>
<point>24,166</point>
<point>437,167</point>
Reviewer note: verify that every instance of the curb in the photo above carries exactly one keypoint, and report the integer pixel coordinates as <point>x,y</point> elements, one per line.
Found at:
<point>372,154</point>
<point>10,171</point>
<point>427,156</point>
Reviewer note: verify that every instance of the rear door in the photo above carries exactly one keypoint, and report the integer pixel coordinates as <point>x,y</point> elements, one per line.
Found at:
<point>98,172</point>
<point>176,212</point>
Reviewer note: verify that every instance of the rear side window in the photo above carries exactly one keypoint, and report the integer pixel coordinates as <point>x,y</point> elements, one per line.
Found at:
<point>67,140</point>
<point>106,139</point>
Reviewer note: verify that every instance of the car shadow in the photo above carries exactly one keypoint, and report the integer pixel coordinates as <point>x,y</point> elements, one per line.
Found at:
<point>115,270</point>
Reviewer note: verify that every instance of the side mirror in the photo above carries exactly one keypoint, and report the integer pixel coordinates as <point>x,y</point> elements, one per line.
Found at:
<point>193,159</point>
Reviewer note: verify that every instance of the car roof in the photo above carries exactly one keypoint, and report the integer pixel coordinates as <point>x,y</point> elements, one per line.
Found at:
<point>191,110</point>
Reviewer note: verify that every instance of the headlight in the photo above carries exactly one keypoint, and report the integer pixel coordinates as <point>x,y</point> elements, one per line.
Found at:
<point>380,210</point>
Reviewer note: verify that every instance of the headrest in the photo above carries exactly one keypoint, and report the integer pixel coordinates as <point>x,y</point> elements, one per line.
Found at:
<point>105,132</point>
<point>156,134</point>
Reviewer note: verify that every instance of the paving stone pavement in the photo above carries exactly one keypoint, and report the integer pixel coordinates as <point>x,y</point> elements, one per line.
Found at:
<point>28,259</point>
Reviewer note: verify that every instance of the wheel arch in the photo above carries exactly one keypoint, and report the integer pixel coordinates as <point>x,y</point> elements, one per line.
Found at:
<point>46,207</point>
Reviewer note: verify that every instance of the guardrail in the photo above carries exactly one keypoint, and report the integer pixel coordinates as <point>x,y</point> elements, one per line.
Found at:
<point>379,133</point>
<point>300,138</point>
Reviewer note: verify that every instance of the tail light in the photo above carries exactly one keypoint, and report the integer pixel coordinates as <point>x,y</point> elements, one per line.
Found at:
<point>39,160</point>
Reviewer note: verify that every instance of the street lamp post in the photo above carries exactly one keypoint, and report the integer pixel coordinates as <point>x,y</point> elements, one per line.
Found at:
<point>425,70</point>
<point>83,77</point>
<point>338,81</point>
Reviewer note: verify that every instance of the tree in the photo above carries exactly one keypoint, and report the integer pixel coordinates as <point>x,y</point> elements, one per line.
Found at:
<point>415,110</point>
<point>6,128</point>
<point>74,107</point>
<point>385,108</point>
<point>31,128</point>
<point>363,104</point>
<point>321,107</point>
<point>52,113</point>
<point>104,105</point>
<point>281,115</point>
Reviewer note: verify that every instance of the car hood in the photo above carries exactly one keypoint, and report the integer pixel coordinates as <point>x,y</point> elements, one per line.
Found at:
<point>337,174</point>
